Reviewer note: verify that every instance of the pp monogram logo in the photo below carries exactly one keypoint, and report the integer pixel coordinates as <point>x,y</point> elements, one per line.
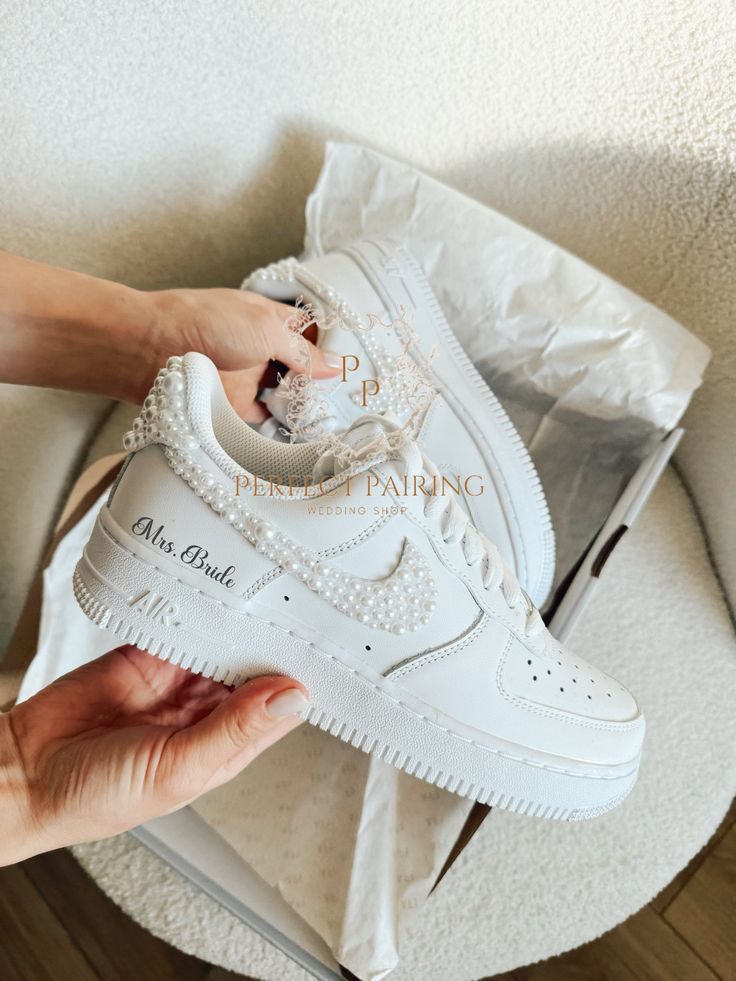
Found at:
<point>156,608</point>
<point>374,383</point>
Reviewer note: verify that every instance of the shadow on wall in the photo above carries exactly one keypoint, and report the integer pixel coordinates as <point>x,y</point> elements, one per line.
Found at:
<point>635,216</point>
<point>188,223</point>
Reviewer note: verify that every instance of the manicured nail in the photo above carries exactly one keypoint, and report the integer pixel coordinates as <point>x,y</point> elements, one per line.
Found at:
<point>291,701</point>
<point>332,360</point>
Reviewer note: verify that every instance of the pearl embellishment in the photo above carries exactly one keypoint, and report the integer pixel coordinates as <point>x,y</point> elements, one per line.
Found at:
<point>404,392</point>
<point>291,271</point>
<point>404,600</point>
<point>161,419</point>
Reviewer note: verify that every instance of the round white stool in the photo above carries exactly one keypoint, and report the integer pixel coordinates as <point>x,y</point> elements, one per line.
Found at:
<point>524,890</point>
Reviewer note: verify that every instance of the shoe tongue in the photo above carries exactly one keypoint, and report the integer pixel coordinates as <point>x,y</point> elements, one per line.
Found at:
<point>313,418</point>
<point>363,433</point>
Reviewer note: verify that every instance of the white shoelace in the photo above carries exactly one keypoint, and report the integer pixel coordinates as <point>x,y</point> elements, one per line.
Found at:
<point>455,525</point>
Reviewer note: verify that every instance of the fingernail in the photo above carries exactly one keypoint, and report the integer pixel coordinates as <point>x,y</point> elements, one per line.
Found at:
<point>291,701</point>
<point>332,360</point>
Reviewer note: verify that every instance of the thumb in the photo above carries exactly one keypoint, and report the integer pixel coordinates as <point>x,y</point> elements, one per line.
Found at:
<point>220,745</point>
<point>297,352</point>
<point>322,364</point>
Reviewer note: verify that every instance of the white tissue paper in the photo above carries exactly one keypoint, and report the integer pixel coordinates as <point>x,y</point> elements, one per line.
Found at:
<point>591,375</point>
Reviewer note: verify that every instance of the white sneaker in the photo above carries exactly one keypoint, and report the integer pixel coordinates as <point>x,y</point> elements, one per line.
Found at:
<point>414,640</point>
<point>465,430</point>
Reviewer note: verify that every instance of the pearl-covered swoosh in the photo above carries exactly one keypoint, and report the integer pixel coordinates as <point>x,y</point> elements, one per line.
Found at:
<point>404,600</point>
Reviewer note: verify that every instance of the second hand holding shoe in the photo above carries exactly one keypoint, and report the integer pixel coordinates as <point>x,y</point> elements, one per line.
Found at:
<point>234,555</point>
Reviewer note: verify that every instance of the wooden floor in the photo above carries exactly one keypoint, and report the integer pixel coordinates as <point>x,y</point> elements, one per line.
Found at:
<point>56,925</point>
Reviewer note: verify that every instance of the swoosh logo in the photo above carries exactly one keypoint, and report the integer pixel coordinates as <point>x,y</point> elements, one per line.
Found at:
<point>402,601</point>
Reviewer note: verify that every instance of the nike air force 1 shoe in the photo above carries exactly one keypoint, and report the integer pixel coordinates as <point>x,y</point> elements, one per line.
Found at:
<point>360,291</point>
<point>345,565</point>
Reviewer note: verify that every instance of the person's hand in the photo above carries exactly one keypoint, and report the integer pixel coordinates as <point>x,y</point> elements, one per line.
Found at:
<point>124,739</point>
<point>244,333</point>
<point>63,329</point>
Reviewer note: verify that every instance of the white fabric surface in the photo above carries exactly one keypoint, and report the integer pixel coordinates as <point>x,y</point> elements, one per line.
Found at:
<point>41,443</point>
<point>674,646</point>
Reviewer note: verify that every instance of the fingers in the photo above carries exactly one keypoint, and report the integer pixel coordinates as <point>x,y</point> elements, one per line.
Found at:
<point>241,390</point>
<point>296,352</point>
<point>250,720</point>
<point>324,364</point>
